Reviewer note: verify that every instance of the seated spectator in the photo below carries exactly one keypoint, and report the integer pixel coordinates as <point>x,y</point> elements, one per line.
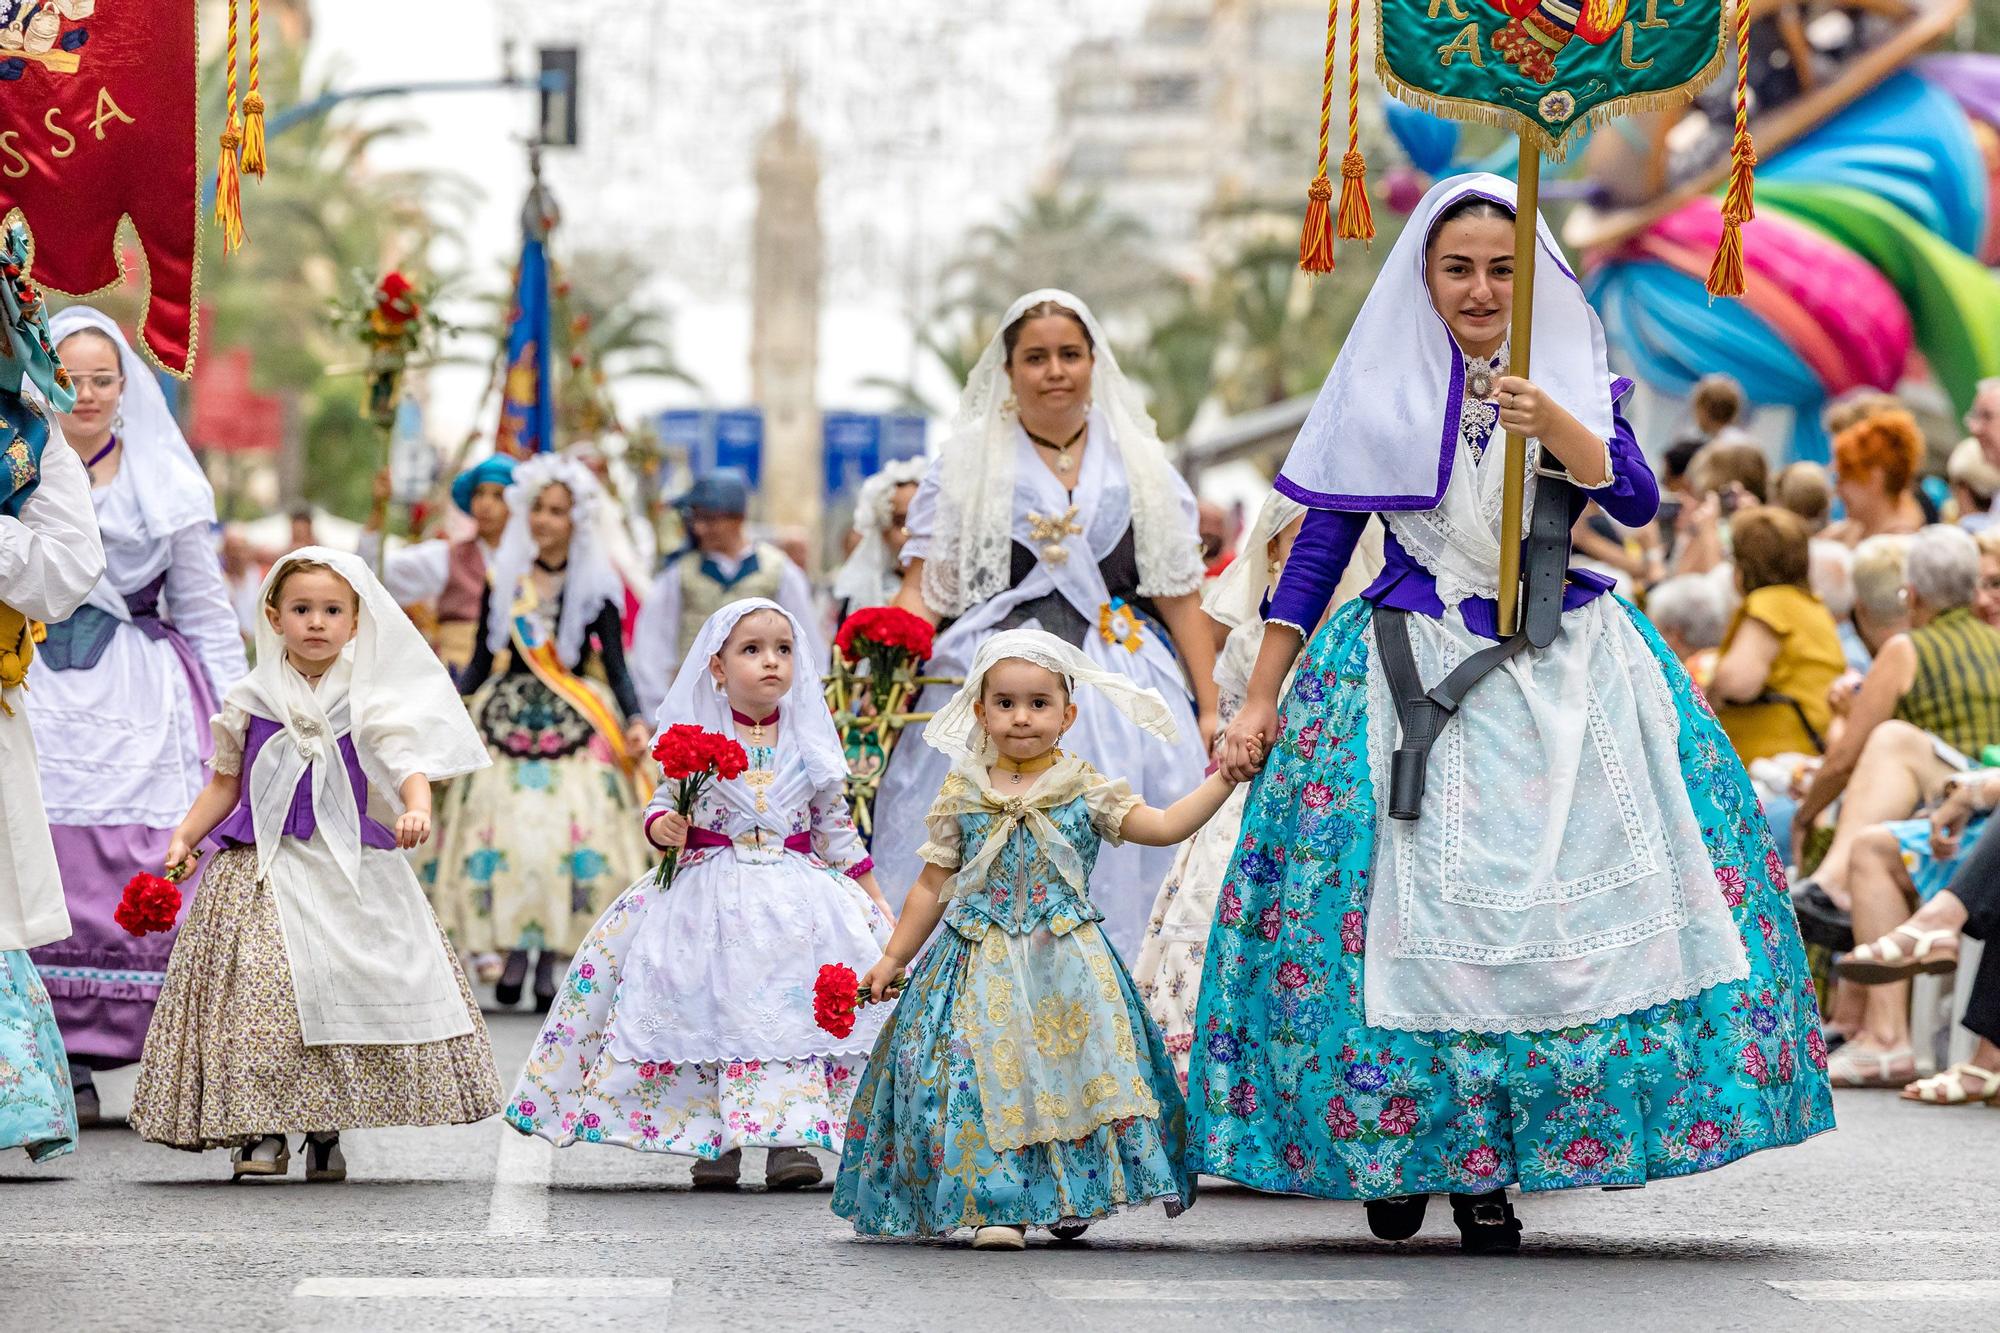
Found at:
<point>1961,896</point>
<point>1806,490</point>
<point>1675,464</point>
<point>1974,482</point>
<point>1986,599</point>
<point>1928,706</point>
<point>1730,461</point>
<point>1781,653</point>
<point>1875,463</point>
<point>1881,606</point>
<point>1982,419</point>
<point>1830,574</point>
<point>1689,612</point>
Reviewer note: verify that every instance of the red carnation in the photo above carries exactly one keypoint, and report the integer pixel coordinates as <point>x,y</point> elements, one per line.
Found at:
<point>880,628</point>
<point>149,906</point>
<point>835,995</point>
<point>691,758</point>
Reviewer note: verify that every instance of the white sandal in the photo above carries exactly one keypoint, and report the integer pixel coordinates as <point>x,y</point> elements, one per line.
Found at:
<point>1850,1068</point>
<point>1882,961</point>
<point>1949,1087</point>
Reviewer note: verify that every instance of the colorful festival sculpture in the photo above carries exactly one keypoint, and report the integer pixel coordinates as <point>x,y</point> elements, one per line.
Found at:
<point>1549,70</point>
<point>97,123</point>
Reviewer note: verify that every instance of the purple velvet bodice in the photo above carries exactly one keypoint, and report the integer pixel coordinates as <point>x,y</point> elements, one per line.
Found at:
<point>239,829</point>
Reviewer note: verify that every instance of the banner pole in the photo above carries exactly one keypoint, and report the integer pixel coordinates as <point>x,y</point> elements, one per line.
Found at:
<point>1521,336</point>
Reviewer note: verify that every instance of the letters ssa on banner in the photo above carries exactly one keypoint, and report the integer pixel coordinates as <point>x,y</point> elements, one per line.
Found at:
<point>98,122</point>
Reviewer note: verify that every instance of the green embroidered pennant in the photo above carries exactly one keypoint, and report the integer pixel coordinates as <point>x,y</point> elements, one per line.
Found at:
<point>1547,68</point>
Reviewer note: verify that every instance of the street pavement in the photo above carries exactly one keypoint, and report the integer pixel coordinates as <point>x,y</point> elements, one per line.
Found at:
<point>1887,1223</point>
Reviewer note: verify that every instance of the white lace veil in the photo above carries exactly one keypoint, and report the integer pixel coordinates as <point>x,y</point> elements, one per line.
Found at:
<point>590,581</point>
<point>970,554</point>
<point>870,568</point>
<point>804,724</point>
<point>172,491</point>
<point>398,700</point>
<point>954,730</point>
<point>1383,434</point>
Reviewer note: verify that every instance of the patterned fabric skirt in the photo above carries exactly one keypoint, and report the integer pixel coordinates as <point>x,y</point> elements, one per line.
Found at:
<point>36,1110</point>
<point>534,848</point>
<point>1168,973</point>
<point>917,1160</point>
<point>225,1061</point>
<point>574,1090</point>
<point>1291,1091</point>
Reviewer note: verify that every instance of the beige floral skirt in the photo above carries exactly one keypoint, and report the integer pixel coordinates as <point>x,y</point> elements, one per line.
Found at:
<point>225,1062</point>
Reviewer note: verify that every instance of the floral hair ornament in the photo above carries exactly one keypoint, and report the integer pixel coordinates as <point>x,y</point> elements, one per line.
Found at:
<point>955,731</point>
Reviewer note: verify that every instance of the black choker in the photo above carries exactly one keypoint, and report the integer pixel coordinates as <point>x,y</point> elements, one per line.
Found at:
<point>547,568</point>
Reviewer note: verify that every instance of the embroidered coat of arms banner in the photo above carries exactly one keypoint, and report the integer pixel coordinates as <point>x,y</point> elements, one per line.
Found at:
<point>97,122</point>
<point>1548,68</point>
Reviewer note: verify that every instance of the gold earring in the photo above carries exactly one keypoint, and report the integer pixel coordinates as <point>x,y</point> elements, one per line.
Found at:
<point>1009,406</point>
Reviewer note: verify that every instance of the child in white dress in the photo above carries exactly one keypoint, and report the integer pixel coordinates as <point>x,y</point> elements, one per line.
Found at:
<point>686,1023</point>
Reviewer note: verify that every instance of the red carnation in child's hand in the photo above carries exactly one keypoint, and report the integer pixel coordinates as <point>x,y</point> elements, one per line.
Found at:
<point>687,751</point>
<point>885,627</point>
<point>150,905</point>
<point>835,995</point>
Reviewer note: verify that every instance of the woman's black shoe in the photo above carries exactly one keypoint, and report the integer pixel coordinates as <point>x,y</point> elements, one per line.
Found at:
<point>1486,1223</point>
<point>513,979</point>
<point>1397,1217</point>
<point>1821,920</point>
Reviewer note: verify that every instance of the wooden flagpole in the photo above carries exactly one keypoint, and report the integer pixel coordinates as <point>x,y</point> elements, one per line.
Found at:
<point>1527,202</point>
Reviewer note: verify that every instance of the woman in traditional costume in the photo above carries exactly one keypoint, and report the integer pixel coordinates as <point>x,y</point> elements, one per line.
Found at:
<point>1577,964</point>
<point>534,848</point>
<point>872,574</point>
<point>311,990</point>
<point>1054,506</point>
<point>121,693</point>
<point>51,552</point>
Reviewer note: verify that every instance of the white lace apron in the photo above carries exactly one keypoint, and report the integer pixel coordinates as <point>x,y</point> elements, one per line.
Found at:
<point>1558,874</point>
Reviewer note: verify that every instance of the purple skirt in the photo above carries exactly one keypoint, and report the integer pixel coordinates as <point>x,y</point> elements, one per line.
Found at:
<point>101,981</point>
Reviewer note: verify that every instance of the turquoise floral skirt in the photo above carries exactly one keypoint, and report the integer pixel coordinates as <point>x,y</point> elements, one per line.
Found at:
<point>1291,1091</point>
<point>917,1163</point>
<point>37,1111</point>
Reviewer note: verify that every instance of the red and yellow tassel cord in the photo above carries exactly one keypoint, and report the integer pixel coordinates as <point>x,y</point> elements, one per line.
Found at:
<point>1357,222</point>
<point>228,182</point>
<point>1739,204</point>
<point>1316,241</point>
<point>253,102</point>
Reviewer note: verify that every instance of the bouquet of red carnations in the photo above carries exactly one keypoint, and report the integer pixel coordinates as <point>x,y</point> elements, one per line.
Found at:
<point>150,905</point>
<point>691,758</point>
<point>837,994</point>
<point>895,644</point>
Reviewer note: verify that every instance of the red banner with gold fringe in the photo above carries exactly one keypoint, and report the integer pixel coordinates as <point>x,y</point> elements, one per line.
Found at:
<point>98,118</point>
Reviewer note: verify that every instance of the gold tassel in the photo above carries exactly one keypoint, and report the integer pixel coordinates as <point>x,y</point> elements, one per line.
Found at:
<point>1357,222</point>
<point>229,193</point>
<point>1739,201</point>
<point>253,102</point>
<point>1316,241</point>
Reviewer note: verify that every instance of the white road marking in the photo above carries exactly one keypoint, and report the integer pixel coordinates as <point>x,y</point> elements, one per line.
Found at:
<point>484,1288</point>
<point>1895,1289</point>
<point>521,1175</point>
<point>1209,1289</point>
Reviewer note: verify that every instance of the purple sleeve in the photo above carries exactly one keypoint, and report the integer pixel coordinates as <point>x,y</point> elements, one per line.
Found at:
<point>1319,557</point>
<point>1633,496</point>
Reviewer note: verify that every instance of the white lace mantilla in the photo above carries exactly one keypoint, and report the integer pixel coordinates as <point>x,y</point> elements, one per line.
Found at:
<point>1558,874</point>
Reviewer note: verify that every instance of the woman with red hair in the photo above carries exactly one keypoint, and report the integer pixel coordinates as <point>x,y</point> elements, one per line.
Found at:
<point>1875,462</point>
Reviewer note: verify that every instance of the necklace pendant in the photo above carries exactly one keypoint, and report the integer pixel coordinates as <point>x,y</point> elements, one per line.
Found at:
<point>1065,463</point>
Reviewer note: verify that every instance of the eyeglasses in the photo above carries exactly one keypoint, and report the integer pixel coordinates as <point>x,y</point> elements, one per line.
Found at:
<point>98,384</point>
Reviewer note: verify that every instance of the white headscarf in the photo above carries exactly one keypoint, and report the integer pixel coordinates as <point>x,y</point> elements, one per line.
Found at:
<point>1236,596</point>
<point>1384,430</point>
<point>590,580</point>
<point>971,547</point>
<point>172,491</point>
<point>805,726</point>
<point>955,731</point>
<point>870,574</point>
<point>388,689</point>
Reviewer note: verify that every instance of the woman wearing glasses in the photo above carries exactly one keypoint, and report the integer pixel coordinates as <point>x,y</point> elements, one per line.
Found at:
<point>122,692</point>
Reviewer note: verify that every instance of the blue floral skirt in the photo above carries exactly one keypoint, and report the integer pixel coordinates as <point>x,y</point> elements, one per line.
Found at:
<point>917,1163</point>
<point>37,1111</point>
<point>1291,1091</point>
